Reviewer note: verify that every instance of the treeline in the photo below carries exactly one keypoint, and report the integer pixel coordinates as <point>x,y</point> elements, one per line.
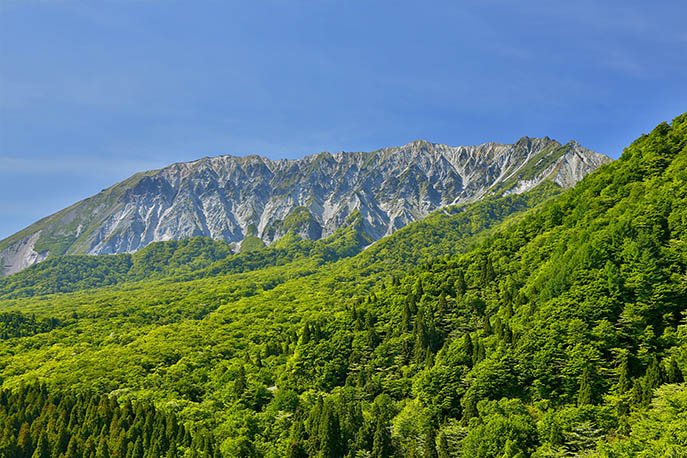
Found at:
<point>38,423</point>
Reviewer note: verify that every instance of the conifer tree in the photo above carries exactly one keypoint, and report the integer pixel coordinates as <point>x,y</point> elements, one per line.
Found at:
<point>102,451</point>
<point>24,441</point>
<point>381,442</point>
<point>673,372</point>
<point>42,447</point>
<point>73,448</point>
<point>585,394</point>
<point>442,446</point>
<point>624,380</point>
<point>240,384</point>
<point>429,444</point>
<point>655,375</point>
<point>296,448</point>
<point>329,432</point>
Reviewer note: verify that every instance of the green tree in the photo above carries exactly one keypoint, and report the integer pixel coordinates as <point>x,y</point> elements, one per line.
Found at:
<point>585,394</point>
<point>329,432</point>
<point>381,444</point>
<point>673,372</point>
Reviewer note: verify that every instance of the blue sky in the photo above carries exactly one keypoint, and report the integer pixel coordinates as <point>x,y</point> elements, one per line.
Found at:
<point>92,92</point>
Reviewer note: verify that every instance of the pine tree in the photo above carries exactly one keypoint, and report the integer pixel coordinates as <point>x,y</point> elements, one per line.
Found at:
<point>507,310</point>
<point>42,447</point>
<point>673,372</point>
<point>296,448</point>
<point>585,394</point>
<point>381,442</point>
<point>103,450</point>
<point>406,316</point>
<point>312,424</point>
<point>441,309</point>
<point>119,448</point>
<point>89,448</point>
<point>624,380</point>
<point>480,353</point>
<point>469,404</point>
<point>306,334</point>
<point>442,446</point>
<point>240,383</point>
<point>467,349</point>
<point>421,339</point>
<point>487,273</point>
<point>137,449</point>
<point>429,443</point>
<point>24,441</point>
<point>637,393</point>
<point>654,374</point>
<point>73,448</point>
<point>487,326</point>
<point>329,432</point>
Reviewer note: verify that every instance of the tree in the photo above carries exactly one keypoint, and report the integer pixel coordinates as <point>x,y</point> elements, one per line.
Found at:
<point>296,446</point>
<point>102,451</point>
<point>442,446</point>
<point>381,444</point>
<point>24,441</point>
<point>240,383</point>
<point>673,372</point>
<point>42,447</point>
<point>329,432</point>
<point>624,378</point>
<point>429,444</point>
<point>654,377</point>
<point>585,394</point>
<point>73,448</point>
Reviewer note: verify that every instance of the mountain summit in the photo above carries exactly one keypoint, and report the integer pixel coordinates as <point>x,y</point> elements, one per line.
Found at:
<point>230,198</point>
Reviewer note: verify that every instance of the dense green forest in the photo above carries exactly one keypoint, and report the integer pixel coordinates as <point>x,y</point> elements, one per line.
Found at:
<point>547,324</point>
<point>40,423</point>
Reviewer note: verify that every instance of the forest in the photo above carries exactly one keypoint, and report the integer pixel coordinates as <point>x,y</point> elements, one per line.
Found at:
<point>546,324</point>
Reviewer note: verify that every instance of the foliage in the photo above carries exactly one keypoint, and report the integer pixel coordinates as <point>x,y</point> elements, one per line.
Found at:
<point>36,422</point>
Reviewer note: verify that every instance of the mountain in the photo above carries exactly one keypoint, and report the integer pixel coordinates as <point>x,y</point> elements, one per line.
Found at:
<point>253,200</point>
<point>548,323</point>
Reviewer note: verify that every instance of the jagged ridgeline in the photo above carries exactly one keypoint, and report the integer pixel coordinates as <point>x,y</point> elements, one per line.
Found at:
<point>549,323</point>
<point>252,201</point>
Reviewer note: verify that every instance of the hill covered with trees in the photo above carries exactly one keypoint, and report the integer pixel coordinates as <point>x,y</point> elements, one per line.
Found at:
<point>547,324</point>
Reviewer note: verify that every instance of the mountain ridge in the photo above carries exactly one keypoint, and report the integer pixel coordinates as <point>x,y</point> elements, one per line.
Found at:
<point>231,197</point>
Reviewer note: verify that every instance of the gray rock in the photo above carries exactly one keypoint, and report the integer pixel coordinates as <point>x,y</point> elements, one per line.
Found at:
<point>226,197</point>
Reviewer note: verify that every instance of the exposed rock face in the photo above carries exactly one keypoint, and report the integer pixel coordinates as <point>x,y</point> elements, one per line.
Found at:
<point>20,255</point>
<point>228,197</point>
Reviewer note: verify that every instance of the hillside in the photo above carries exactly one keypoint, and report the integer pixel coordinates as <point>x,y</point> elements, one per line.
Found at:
<point>251,201</point>
<point>535,325</point>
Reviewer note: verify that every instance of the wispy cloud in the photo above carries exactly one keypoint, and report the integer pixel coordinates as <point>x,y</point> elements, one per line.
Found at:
<point>70,166</point>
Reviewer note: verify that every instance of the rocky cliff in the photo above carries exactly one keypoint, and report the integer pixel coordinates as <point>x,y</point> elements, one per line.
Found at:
<point>229,197</point>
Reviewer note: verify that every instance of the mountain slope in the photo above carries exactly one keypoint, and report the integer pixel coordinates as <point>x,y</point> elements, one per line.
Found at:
<point>444,232</point>
<point>230,198</point>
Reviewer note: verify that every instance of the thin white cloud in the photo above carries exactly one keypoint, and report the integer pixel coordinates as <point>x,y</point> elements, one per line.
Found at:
<point>71,166</point>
